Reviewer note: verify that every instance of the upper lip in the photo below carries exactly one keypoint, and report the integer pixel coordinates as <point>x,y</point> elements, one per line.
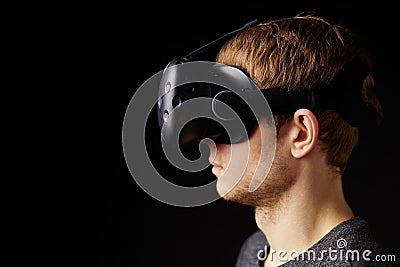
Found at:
<point>215,164</point>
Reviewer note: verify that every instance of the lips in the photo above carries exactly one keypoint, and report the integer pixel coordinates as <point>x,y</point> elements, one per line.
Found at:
<point>217,169</point>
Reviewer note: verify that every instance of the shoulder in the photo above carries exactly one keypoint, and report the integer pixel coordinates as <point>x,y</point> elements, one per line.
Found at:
<point>357,234</point>
<point>351,243</point>
<point>250,249</point>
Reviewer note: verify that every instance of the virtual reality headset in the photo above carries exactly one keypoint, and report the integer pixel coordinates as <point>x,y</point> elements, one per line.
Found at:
<point>227,105</point>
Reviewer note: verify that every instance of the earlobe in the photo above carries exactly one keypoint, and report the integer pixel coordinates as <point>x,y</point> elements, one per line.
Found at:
<point>305,133</point>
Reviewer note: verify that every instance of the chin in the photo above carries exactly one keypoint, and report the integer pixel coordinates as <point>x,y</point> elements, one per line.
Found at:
<point>232,192</point>
<point>267,195</point>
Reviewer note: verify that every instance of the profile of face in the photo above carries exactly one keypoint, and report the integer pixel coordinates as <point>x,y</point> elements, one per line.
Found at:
<point>255,172</point>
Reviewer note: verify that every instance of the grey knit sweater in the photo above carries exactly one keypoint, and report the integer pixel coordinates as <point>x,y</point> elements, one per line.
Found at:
<point>351,243</point>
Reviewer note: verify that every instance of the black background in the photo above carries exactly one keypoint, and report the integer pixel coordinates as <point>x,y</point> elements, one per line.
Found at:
<point>106,219</point>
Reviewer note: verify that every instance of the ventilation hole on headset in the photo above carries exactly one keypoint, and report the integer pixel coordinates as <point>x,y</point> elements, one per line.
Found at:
<point>167,87</point>
<point>166,115</point>
<point>176,101</point>
<point>189,89</point>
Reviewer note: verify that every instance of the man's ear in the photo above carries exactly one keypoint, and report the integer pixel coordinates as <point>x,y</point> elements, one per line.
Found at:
<point>304,133</point>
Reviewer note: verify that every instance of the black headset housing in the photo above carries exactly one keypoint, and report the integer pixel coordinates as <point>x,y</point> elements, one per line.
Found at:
<point>342,94</point>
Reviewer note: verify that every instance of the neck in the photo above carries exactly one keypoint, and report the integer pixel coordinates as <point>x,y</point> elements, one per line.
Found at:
<point>313,206</point>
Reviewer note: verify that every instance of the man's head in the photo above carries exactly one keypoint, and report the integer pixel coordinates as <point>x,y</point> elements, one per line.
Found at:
<point>302,53</point>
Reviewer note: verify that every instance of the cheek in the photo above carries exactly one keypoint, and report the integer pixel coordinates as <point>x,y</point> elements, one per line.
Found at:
<point>225,152</point>
<point>235,159</point>
<point>253,152</point>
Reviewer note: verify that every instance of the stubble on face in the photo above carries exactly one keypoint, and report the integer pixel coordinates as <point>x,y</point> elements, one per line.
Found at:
<point>277,182</point>
<point>269,193</point>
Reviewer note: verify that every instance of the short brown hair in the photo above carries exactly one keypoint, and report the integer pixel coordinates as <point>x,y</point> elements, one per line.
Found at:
<point>302,52</point>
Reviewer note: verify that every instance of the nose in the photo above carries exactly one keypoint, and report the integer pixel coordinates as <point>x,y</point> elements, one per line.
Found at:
<point>212,147</point>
